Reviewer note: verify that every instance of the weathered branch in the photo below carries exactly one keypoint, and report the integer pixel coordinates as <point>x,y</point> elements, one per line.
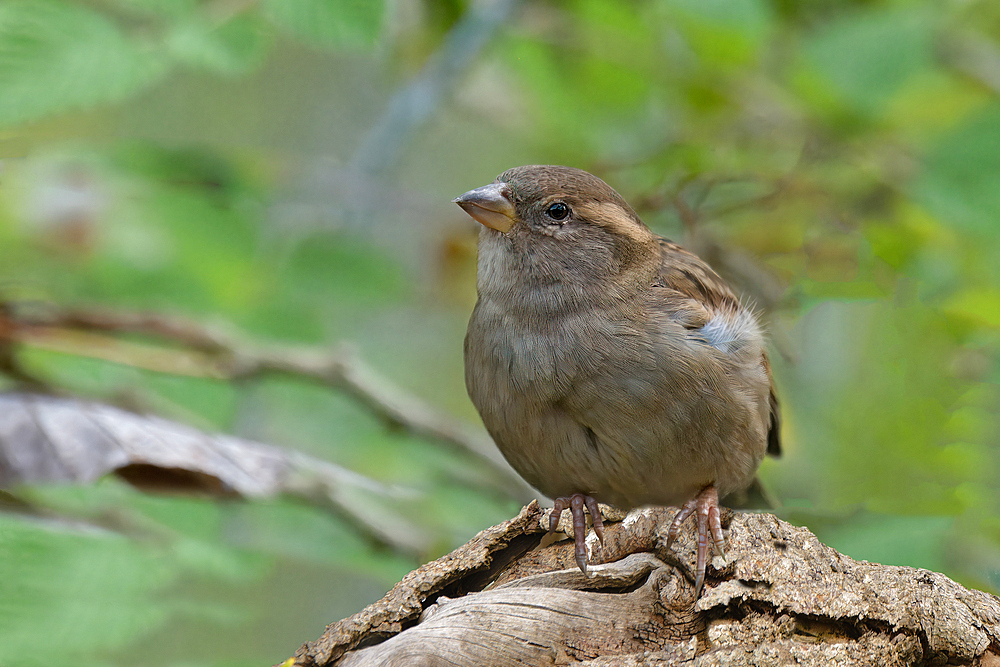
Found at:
<point>46,440</point>
<point>506,598</point>
<point>195,350</point>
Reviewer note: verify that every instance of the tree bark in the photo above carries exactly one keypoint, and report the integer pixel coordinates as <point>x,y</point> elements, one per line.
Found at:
<point>511,596</point>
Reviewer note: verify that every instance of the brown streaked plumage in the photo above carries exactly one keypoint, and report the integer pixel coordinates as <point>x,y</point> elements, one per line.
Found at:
<point>610,364</point>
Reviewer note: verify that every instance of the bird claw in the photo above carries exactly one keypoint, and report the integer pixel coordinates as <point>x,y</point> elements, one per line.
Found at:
<point>705,507</point>
<point>575,504</point>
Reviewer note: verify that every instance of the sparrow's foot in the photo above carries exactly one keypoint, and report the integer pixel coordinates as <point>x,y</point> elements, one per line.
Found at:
<point>706,504</point>
<point>576,503</point>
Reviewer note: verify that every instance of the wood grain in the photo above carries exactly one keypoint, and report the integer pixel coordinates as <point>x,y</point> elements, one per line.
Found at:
<point>508,598</point>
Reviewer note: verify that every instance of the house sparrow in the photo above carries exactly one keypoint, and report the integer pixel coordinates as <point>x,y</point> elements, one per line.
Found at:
<point>610,364</point>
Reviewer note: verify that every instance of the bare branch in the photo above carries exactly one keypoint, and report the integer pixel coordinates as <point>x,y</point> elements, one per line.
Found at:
<point>57,440</point>
<point>199,351</point>
<point>415,102</point>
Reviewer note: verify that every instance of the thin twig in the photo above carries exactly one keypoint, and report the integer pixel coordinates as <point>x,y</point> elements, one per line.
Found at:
<point>155,325</point>
<point>205,352</point>
<point>343,369</point>
<point>414,103</point>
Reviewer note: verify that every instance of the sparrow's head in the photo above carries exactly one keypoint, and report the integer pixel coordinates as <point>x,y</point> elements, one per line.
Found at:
<point>560,223</point>
<point>550,200</point>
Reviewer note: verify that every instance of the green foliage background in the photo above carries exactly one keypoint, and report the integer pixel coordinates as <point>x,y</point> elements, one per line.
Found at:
<point>245,163</point>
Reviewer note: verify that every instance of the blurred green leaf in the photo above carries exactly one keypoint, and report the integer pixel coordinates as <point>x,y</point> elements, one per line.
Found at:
<point>338,23</point>
<point>958,182</point>
<point>338,267</point>
<point>980,306</point>
<point>914,541</point>
<point>170,8</point>
<point>85,591</point>
<point>177,246</point>
<point>879,415</point>
<point>234,47</point>
<point>56,56</point>
<point>721,32</point>
<point>193,567</point>
<point>869,55</point>
<point>579,101</point>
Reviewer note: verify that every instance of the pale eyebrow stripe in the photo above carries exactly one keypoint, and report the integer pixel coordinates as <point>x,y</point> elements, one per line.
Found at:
<point>614,216</point>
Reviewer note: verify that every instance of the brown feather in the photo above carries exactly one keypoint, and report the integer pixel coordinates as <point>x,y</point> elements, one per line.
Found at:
<point>685,272</point>
<point>774,428</point>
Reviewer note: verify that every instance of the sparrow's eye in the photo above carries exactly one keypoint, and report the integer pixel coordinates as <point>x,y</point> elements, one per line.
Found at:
<point>557,211</point>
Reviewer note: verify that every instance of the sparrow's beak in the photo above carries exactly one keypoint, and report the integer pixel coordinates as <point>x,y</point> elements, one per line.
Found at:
<point>490,205</point>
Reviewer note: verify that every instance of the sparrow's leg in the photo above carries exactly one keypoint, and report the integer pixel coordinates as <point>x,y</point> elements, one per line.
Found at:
<point>576,503</point>
<point>706,504</point>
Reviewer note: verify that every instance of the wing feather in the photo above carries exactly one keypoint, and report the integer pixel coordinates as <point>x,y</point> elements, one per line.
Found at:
<point>693,293</point>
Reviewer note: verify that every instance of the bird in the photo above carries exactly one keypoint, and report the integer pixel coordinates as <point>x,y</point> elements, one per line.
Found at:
<point>609,364</point>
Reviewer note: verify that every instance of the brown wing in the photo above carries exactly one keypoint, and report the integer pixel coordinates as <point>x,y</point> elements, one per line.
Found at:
<point>774,428</point>
<point>685,273</point>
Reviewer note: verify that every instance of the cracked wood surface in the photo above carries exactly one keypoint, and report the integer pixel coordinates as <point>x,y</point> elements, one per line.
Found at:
<point>511,596</point>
